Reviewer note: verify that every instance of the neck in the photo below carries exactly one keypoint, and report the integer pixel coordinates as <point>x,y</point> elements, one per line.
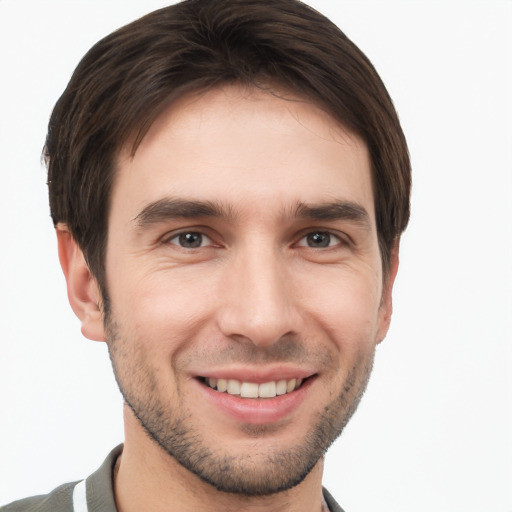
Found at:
<point>147,478</point>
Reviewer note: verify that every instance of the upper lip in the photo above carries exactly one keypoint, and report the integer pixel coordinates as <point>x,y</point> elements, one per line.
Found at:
<point>257,375</point>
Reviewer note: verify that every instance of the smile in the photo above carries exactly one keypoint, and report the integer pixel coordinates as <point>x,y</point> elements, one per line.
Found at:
<point>253,390</point>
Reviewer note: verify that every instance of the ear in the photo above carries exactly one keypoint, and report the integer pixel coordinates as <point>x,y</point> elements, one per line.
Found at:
<point>386,305</point>
<point>83,290</point>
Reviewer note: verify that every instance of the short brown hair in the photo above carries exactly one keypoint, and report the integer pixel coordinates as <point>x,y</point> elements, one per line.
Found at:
<point>124,82</point>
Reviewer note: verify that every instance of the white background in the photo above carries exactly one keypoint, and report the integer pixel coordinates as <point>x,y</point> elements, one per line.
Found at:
<point>434,431</point>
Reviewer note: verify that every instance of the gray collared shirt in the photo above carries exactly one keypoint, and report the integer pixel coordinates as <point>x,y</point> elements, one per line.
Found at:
<point>94,494</point>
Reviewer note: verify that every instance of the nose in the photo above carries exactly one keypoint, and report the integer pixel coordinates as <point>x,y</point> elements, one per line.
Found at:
<point>258,301</point>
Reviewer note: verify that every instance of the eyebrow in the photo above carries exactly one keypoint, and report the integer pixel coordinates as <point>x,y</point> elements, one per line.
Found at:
<point>167,208</point>
<point>336,210</point>
<point>170,208</point>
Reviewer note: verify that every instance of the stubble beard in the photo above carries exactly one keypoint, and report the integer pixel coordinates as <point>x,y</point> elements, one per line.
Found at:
<point>247,474</point>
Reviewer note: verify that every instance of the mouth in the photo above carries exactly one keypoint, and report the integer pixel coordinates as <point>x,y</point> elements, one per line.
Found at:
<point>255,398</point>
<point>254,390</point>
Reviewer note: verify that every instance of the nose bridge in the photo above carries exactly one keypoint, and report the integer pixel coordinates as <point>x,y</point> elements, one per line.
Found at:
<point>259,305</point>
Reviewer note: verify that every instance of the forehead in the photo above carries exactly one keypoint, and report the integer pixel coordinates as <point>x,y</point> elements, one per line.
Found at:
<point>245,147</point>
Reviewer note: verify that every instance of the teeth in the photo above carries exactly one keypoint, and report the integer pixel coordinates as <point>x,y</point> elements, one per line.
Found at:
<point>267,390</point>
<point>249,390</point>
<point>253,390</point>
<point>233,387</point>
<point>290,385</point>
<point>281,387</point>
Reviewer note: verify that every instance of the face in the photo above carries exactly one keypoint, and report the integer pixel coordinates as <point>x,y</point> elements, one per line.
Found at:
<point>245,285</point>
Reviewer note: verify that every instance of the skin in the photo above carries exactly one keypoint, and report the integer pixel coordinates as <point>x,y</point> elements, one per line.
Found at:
<point>277,287</point>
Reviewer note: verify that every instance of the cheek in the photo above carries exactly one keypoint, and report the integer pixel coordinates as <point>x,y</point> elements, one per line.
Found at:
<point>164,310</point>
<point>347,308</point>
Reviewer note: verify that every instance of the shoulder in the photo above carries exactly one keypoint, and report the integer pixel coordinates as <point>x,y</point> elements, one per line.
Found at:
<point>59,500</point>
<point>95,494</point>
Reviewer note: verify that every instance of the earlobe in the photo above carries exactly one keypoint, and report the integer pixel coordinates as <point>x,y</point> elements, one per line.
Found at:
<point>83,290</point>
<point>386,306</point>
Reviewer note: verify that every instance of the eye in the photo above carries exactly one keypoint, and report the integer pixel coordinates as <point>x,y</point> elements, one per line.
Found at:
<point>190,240</point>
<point>319,239</point>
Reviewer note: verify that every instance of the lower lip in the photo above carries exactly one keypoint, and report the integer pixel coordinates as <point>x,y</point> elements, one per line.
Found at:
<point>257,411</point>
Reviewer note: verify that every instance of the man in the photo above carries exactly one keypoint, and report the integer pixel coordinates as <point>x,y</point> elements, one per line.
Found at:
<point>229,181</point>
